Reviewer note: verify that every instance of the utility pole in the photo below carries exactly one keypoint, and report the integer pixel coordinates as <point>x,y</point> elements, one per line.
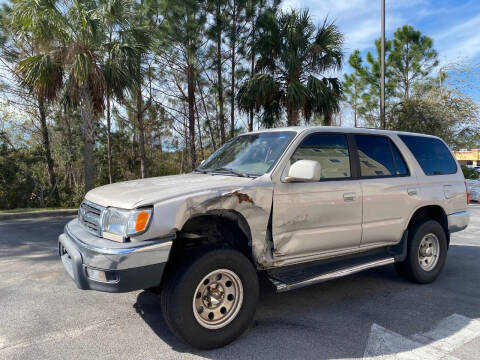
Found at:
<point>382,71</point>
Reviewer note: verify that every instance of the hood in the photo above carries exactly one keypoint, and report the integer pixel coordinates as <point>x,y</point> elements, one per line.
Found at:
<point>135,193</point>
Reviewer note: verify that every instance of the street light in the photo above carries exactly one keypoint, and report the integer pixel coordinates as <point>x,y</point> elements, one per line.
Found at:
<point>382,71</point>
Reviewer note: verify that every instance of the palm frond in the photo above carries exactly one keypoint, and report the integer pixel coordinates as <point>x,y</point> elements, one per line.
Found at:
<point>326,50</point>
<point>42,73</point>
<point>325,95</point>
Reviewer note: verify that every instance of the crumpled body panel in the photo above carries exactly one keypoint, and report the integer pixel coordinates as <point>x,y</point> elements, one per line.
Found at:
<point>176,199</point>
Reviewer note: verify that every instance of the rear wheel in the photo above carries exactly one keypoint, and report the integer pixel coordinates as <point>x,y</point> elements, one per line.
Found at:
<point>210,300</point>
<point>427,252</point>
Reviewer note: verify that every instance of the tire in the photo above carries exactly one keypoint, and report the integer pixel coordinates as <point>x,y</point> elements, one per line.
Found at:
<point>421,265</point>
<point>232,314</point>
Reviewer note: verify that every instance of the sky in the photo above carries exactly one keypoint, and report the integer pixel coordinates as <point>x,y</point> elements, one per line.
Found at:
<point>454,25</point>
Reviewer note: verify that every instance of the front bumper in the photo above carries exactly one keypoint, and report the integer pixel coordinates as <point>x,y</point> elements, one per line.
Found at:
<point>128,266</point>
<point>458,221</point>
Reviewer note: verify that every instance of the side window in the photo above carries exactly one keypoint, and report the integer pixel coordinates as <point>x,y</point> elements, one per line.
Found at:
<point>432,154</point>
<point>330,150</point>
<point>375,156</point>
<point>399,162</point>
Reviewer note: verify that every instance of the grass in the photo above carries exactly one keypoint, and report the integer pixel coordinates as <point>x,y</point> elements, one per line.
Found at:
<point>14,211</point>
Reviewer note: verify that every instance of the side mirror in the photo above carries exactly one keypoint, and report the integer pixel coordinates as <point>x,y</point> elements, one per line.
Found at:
<point>304,170</point>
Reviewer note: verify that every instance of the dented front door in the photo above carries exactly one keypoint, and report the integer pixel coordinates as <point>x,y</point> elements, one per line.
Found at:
<point>311,218</point>
<point>324,216</point>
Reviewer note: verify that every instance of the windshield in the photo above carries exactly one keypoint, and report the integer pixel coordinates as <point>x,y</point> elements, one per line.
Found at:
<point>251,154</point>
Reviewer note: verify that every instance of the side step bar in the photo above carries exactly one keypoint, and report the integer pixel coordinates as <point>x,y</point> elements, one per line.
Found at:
<point>296,276</point>
<point>282,286</point>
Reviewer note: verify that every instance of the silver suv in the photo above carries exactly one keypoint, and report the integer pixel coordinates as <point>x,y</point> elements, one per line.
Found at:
<point>301,205</point>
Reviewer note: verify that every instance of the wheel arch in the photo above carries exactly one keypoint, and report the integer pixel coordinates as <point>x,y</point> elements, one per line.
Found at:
<point>214,229</point>
<point>433,212</point>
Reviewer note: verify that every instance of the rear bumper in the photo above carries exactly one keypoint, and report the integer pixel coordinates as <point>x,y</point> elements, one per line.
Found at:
<point>458,221</point>
<point>127,266</point>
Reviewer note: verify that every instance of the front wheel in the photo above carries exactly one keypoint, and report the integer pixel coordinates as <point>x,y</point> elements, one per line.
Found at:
<point>427,252</point>
<point>210,300</point>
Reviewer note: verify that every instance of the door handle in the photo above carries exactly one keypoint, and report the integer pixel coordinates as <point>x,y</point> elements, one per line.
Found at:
<point>412,191</point>
<point>351,196</point>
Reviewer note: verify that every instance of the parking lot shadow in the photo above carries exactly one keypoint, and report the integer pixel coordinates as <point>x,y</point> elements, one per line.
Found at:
<point>373,313</point>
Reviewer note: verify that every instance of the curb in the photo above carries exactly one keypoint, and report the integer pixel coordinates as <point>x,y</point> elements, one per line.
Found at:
<point>38,214</point>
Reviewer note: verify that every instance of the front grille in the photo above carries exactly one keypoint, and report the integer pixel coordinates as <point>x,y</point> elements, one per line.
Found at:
<point>90,216</point>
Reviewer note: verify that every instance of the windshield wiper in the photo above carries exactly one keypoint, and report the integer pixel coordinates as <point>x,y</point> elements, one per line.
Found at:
<point>232,171</point>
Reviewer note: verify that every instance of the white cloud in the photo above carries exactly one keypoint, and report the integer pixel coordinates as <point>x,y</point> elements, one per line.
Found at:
<point>461,41</point>
<point>359,20</point>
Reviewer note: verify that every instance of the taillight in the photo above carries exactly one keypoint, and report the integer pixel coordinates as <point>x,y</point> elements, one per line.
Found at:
<point>468,194</point>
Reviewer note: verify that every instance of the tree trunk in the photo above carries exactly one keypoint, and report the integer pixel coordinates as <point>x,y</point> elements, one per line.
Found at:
<point>406,80</point>
<point>209,124</point>
<point>219,79</point>
<point>185,140</point>
<point>109,143</point>
<point>292,116</point>
<point>141,133</point>
<point>191,116</point>
<point>252,73</point>
<point>232,99</point>
<point>355,102</point>
<point>199,132</point>
<point>48,153</point>
<point>87,115</point>
<point>70,178</point>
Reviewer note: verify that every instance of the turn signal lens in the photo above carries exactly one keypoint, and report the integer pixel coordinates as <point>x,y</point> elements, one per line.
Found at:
<point>142,221</point>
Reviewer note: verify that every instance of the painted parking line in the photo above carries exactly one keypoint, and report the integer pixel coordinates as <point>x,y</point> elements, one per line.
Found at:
<point>437,343</point>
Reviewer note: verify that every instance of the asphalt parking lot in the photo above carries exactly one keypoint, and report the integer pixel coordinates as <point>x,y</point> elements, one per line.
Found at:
<point>374,314</point>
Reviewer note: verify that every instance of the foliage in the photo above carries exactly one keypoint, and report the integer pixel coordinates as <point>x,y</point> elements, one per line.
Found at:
<point>354,84</point>
<point>291,51</point>
<point>469,173</point>
<point>411,59</point>
<point>98,91</point>
<point>416,98</point>
<point>440,111</point>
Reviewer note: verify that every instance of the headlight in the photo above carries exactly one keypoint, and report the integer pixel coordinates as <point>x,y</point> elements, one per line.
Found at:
<point>119,223</point>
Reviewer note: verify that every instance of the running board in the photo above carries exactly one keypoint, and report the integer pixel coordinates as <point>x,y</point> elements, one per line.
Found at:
<point>300,275</point>
<point>285,286</point>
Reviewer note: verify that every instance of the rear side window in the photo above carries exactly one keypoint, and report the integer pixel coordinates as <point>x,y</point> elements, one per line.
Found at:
<point>432,154</point>
<point>375,156</point>
<point>330,150</point>
<point>378,156</point>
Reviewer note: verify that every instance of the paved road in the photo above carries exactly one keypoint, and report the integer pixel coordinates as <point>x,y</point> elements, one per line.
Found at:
<point>374,314</point>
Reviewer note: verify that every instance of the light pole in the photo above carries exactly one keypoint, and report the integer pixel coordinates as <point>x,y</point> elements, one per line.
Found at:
<point>382,70</point>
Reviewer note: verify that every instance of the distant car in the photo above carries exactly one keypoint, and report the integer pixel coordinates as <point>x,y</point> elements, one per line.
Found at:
<point>474,190</point>
<point>477,169</point>
<point>303,205</point>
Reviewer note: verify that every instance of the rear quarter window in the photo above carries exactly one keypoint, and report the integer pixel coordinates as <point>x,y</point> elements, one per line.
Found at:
<point>432,154</point>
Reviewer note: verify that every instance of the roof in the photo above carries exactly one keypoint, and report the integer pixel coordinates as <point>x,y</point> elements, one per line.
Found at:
<point>359,130</point>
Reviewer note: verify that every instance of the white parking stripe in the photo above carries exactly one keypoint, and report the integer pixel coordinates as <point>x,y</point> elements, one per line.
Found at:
<point>438,343</point>
<point>451,333</point>
<point>384,344</point>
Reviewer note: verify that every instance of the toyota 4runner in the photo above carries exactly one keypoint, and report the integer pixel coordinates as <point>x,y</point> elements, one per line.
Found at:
<point>302,205</point>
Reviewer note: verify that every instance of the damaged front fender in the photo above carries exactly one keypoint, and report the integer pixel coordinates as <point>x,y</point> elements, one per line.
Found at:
<point>252,202</point>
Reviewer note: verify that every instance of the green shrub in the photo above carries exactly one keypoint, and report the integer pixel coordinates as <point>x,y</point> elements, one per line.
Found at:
<point>469,173</point>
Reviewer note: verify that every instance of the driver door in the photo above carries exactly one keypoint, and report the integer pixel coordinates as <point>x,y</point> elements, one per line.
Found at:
<point>317,217</point>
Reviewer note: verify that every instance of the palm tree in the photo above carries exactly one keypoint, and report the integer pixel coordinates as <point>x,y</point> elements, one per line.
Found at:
<point>72,42</point>
<point>292,56</point>
<point>43,86</point>
<point>118,53</point>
